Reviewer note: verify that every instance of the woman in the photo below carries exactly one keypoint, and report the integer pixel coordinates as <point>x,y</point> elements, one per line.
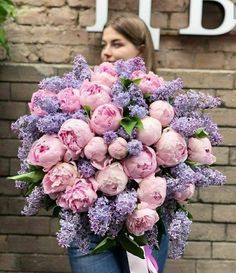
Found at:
<point>123,38</point>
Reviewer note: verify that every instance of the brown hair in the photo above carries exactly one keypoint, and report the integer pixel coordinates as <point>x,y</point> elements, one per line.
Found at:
<point>135,30</point>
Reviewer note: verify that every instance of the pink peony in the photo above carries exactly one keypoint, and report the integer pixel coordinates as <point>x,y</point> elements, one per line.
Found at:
<point>141,165</point>
<point>78,197</point>
<point>93,94</point>
<point>118,149</point>
<point>200,150</point>
<point>59,177</point>
<point>151,131</point>
<point>41,94</point>
<point>112,179</point>
<point>105,117</point>
<point>69,100</point>
<point>141,220</point>
<point>184,195</point>
<point>96,149</point>
<point>162,111</point>
<point>152,191</point>
<point>104,74</point>
<point>46,152</point>
<point>149,82</point>
<point>75,134</point>
<point>171,148</point>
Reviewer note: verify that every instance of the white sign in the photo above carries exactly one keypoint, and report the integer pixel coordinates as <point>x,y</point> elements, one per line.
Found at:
<point>195,18</point>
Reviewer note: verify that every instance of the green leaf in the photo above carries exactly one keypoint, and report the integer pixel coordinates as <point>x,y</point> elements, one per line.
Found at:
<point>56,211</point>
<point>139,123</point>
<point>191,163</point>
<point>88,110</point>
<point>126,82</point>
<point>31,177</point>
<point>128,124</point>
<point>130,245</point>
<point>104,245</point>
<point>140,240</point>
<point>136,81</point>
<point>200,133</point>
<point>146,95</point>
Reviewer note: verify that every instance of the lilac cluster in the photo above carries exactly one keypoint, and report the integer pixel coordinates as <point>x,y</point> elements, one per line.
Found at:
<point>51,123</point>
<point>137,111</point>
<point>109,136</point>
<point>135,147</point>
<point>212,129</point>
<point>34,201</point>
<point>20,184</point>
<point>82,238</point>
<point>178,231</point>
<point>152,236</point>
<point>68,227</point>
<point>167,90</point>
<point>121,99</point>
<point>125,69</point>
<point>100,216</point>
<point>208,176</point>
<point>136,96</point>
<point>79,114</point>
<point>49,105</point>
<point>81,69</point>
<point>186,126</point>
<point>53,84</point>
<point>86,168</point>
<point>71,81</point>
<point>184,172</point>
<point>118,88</point>
<point>123,206</point>
<point>192,101</point>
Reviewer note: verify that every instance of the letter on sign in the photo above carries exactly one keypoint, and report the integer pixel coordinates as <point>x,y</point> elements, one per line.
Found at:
<point>195,19</point>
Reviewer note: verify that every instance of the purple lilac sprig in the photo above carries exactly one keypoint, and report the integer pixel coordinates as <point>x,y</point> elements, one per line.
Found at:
<point>121,99</point>
<point>109,136</point>
<point>81,69</point>
<point>86,168</point>
<point>82,237</point>
<point>34,201</point>
<point>135,147</point>
<point>79,114</point>
<point>51,123</point>
<point>100,216</point>
<point>167,90</point>
<point>20,184</point>
<point>125,69</point>
<point>53,84</point>
<point>122,206</point>
<point>136,96</point>
<point>208,176</point>
<point>137,111</point>
<point>68,227</point>
<point>178,231</point>
<point>186,126</point>
<point>192,101</point>
<point>152,236</point>
<point>71,81</point>
<point>48,104</point>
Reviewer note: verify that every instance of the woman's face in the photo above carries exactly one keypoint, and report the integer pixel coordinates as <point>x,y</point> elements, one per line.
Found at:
<point>115,46</point>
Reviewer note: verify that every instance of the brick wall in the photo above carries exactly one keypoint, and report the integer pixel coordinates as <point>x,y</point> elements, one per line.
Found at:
<point>44,38</point>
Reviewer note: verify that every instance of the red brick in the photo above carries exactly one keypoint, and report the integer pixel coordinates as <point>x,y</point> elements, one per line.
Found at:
<point>81,3</point>
<point>216,266</point>
<point>170,6</point>
<point>209,60</point>
<point>5,131</point>
<point>9,147</point>
<point>178,20</point>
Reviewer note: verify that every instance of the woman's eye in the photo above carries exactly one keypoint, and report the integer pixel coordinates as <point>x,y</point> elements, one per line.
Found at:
<point>117,45</point>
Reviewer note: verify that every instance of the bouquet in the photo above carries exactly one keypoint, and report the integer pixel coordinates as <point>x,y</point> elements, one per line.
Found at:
<point>116,152</point>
